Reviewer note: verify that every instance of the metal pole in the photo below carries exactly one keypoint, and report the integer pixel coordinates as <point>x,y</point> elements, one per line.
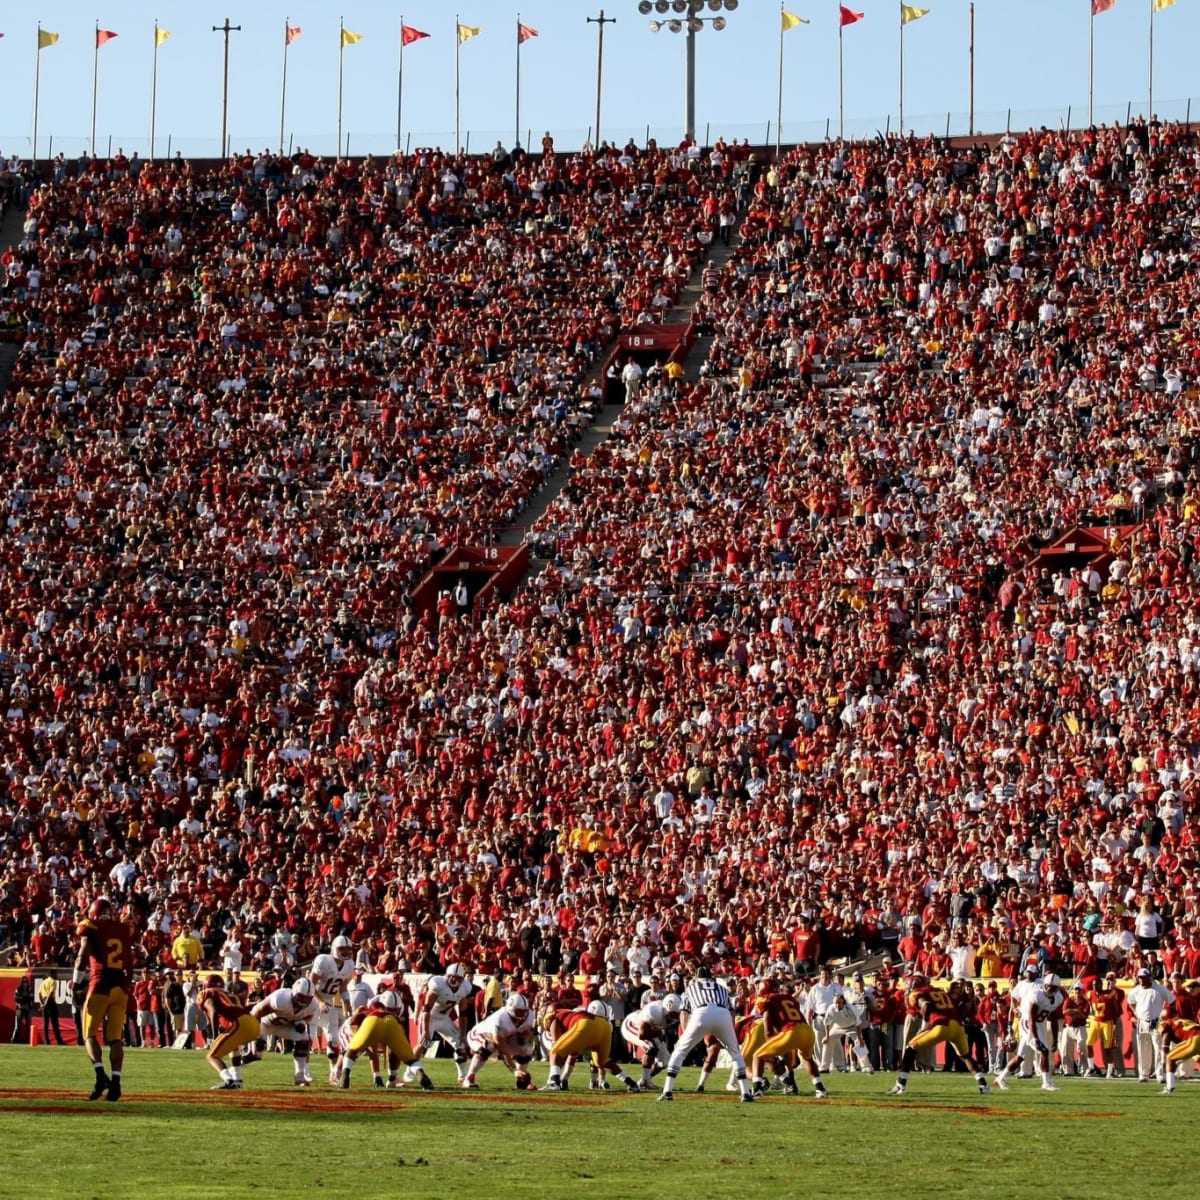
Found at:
<point>400,83</point>
<point>37,76</point>
<point>517,119</point>
<point>226,29</point>
<point>600,22</point>
<point>947,126</point>
<point>1150,75</point>
<point>341,57</point>
<point>779,91</point>
<point>457,90</point>
<point>971,75</point>
<point>283,86</point>
<point>1091,66</point>
<point>95,72</point>
<point>841,85</point>
<point>153,89</point>
<point>689,84</point>
<point>900,111</point>
<point>1068,118</point>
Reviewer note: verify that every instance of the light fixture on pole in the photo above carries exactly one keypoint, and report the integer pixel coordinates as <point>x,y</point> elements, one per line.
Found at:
<point>692,25</point>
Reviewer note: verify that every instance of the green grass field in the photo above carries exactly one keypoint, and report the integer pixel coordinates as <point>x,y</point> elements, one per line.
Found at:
<point>171,1136</point>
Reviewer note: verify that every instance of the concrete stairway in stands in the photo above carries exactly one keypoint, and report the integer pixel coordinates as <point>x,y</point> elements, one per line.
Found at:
<point>601,428</point>
<point>10,234</point>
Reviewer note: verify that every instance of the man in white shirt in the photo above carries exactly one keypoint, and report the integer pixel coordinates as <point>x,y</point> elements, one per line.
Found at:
<point>818,1001</point>
<point>1147,1001</point>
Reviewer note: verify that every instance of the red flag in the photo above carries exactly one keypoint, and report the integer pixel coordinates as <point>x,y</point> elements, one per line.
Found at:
<point>293,32</point>
<point>525,32</point>
<point>102,36</point>
<point>849,16</point>
<point>408,35</point>
<point>1099,6</point>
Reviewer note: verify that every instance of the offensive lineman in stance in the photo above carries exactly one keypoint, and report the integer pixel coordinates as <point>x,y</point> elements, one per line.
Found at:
<point>288,1013</point>
<point>103,965</point>
<point>380,1026</point>
<point>442,1014</point>
<point>507,1034</point>
<point>234,1027</point>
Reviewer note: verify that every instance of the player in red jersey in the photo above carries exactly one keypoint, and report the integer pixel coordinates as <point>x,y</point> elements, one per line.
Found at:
<point>102,970</point>
<point>943,1014</point>
<point>786,1036</point>
<point>235,1027</point>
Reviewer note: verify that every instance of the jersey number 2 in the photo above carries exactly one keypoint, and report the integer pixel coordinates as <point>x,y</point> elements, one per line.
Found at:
<point>115,959</point>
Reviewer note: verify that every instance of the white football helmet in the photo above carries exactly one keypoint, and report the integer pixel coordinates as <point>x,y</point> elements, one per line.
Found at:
<point>671,1003</point>
<point>656,1013</point>
<point>303,987</point>
<point>598,1008</point>
<point>455,971</point>
<point>1051,980</point>
<point>342,947</point>
<point>516,1004</point>
<point>390,1001</point>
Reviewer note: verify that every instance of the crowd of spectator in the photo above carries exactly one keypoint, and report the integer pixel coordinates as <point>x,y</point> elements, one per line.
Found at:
<point>801,682</point>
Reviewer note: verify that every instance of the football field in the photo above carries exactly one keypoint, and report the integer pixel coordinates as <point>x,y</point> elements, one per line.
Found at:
<point>171,1136</point>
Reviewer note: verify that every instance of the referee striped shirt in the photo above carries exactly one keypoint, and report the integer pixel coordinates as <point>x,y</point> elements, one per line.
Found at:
<point>701,993</point>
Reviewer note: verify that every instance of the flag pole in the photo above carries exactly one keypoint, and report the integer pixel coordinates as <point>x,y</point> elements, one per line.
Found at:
<point>841,81</point>
<point>1091,64</point>
<point>971,74</point>
<point>37,79</point>
<point>457,94</point>
<point>900,122</point>
<point>1150,75</point>
<point>517,139</point>
<point>341,56</point>
<point>154,89</point>
<point>283,86</point>
<point>779,94</point>
<point>400,83</point>
<point>95,72</point>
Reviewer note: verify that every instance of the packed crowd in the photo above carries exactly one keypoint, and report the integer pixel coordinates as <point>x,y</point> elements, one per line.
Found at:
<point>797,683</point>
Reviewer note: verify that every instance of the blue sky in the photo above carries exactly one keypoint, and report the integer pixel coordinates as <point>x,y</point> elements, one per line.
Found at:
<point>1031,56</point>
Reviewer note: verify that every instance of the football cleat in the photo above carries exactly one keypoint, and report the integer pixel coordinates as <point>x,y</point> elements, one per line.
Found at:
<point>114,1090</point>
<point>820,1093</point>
<point>469,1084</point>
<point>1051,1087</point>
<point>101,1086</point>
<point>426,1082</point>
<point>699,1089</point>
<point>227,1086</point>
<point>344,1082</point>
<point>551,1085</point>
<point>378,1081</point>
<point>304,1083</point>
<point>666,1096</point>
<point>747,1098</point>
<point>1000,1084</point>
<point>1167,1091</point>
<point>897,1089</point>
<point>732,1086</point>
<point>632,1085</point>
<point>984,1090</point>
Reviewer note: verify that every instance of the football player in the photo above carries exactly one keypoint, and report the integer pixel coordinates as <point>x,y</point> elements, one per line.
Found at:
<point>506,1034</point>
<point>288,1014</point>
<point>330,975</point>
<point>101,985</point>
<point>234,1027</point>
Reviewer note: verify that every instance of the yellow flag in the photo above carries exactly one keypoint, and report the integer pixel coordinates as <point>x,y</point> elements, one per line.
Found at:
<point>348,38</point>
<point>46,38</point>
<point>161,36</point>
<point>790,20</point>
<point>910,12</point>
<point>1159,5</point>
<point>467,32</point>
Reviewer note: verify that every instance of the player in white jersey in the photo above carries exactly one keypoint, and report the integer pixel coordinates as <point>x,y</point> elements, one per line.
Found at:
<point>508,1035</point>
<point>1033,1008</point>
<point>706,1011</point>
<point>442,1013</point>
<point>330,975</point>
<point>644,1032</point>
<point>287,1014</point>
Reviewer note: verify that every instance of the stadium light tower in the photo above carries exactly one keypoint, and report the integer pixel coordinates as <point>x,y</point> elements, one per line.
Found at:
<point>688,20</point>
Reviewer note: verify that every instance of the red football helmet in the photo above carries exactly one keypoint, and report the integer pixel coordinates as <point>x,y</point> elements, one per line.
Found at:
<point>101,908</point>
<point>214,981</point>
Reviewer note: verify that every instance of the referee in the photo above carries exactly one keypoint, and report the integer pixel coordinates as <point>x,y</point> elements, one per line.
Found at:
<point>706,1011</point>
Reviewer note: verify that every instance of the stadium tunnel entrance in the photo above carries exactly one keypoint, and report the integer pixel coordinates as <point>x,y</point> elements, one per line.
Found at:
<point>646,345</point>
<point>468,579</point>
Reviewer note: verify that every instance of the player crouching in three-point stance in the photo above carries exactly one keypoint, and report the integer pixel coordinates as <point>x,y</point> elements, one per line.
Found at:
<point>706,1011</point>
<point>379,1025</point>
<point>234,1026</point>
<point>287,1014</point>
<point>585,1031</point>
<point>508,1034</point>
<point>102,966</point>
<point>943,1019</point>
<point>787,1035</point>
